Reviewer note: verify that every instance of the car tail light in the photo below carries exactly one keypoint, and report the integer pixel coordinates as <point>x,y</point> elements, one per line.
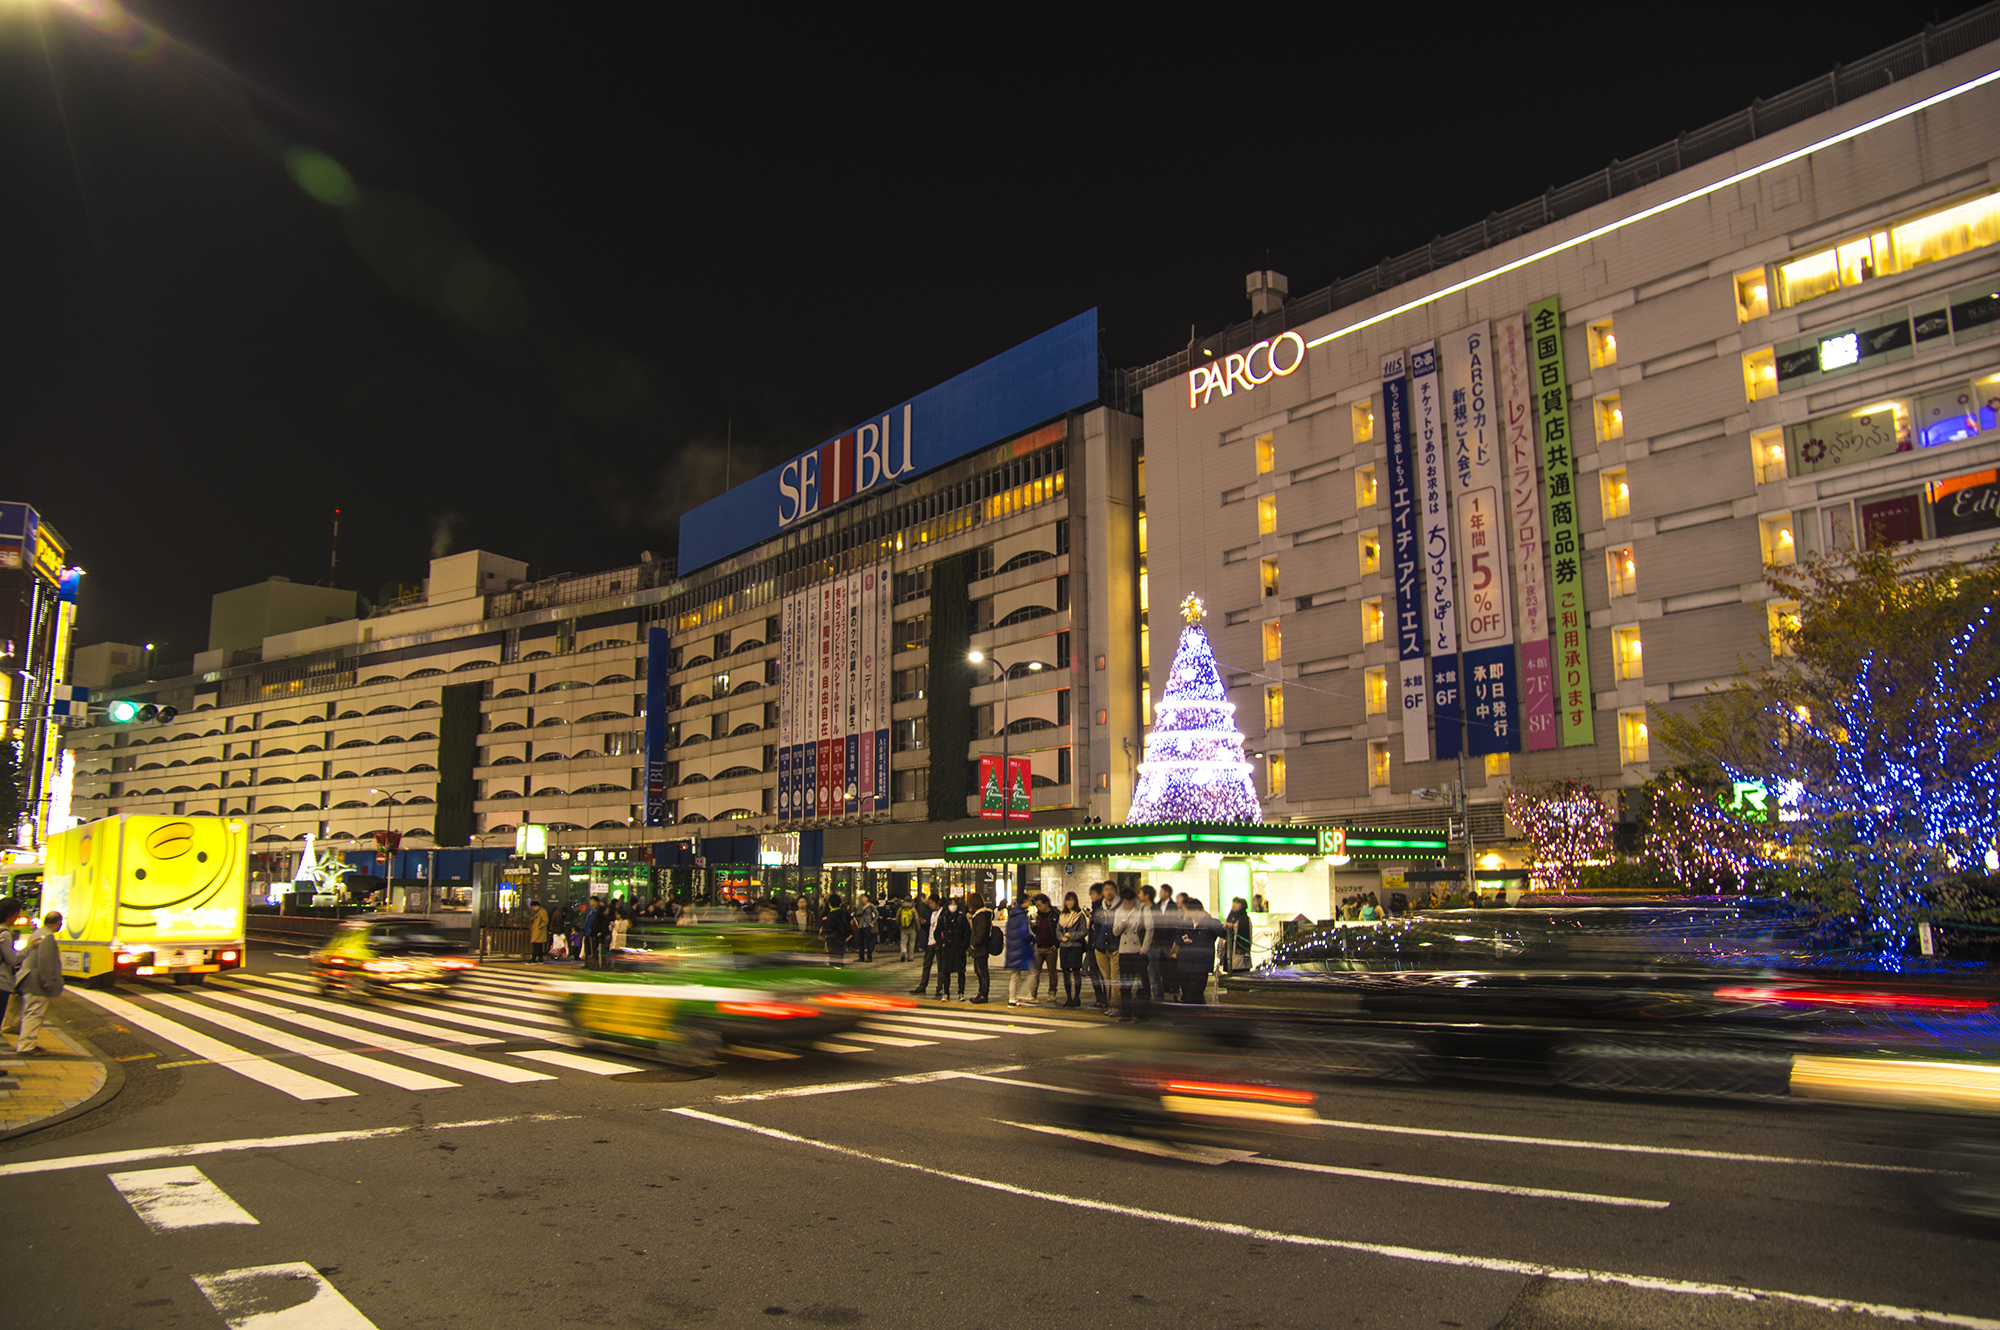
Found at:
<point>228,955</point>
<point>1835,997</point>
<point>775,1011</point>
<point>385,967</point>
<point>868,1001</point>
<point>457,963</point>
<point>129,958</point>
<point>1270,1094</point>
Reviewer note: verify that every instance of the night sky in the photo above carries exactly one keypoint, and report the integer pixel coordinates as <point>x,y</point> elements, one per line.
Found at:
<point>507,276</point>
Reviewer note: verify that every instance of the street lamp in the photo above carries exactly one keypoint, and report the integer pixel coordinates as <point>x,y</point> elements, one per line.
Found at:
<point>1005,737</point>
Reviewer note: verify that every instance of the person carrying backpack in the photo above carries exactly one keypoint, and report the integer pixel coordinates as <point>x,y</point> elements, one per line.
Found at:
<point>906,926</point>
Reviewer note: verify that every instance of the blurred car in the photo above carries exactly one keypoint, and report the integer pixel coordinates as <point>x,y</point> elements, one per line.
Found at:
<point>373,954</point>
<point>700,990</point>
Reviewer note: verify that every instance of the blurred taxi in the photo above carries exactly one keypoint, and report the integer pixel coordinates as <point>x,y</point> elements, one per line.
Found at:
<point>373,954</point>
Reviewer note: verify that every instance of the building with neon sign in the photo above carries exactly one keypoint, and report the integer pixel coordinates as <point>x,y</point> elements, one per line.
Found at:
<point>38,592</point>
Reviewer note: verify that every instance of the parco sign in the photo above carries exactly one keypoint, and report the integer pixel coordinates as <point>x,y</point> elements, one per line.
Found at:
<point>1275,357</point>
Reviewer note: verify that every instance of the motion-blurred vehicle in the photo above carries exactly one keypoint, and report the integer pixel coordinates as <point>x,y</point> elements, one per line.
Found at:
<point>374,954</point>
<point>701,990</point>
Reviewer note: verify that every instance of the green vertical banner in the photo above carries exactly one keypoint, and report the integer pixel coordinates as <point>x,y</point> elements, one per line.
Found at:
<point>1568,621</point>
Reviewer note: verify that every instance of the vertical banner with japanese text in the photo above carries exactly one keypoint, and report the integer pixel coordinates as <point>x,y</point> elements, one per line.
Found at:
<point>850,733</point>
<point>1405,553</point>
<point>1517,426</point>
<point>658,657</point>
<point>1570,621</point>
<point>885,683</point>
<point>784,709</point>
<point>1479,505</point>
<point>1434,532</point>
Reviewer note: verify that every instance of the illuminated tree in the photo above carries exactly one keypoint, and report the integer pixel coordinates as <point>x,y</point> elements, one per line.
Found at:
<point>1566,826</point>
<point>1194,770</point>
<point>1698,843</point>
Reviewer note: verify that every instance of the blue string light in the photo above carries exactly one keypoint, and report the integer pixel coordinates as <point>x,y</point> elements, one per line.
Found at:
<point>1194,769</point>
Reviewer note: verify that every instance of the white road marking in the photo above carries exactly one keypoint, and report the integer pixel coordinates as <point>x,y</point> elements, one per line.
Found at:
<point>248,1065</point>
<point>1460,1184</point>
<point>437,1057</point>
<point>170,1198</point>
<point>1493,1264</point>
<point>1194,1154</point>
<point>480,1023</point>
<point>355,1011</point>
<point>576,1061</point>
<point>927,1031</point>
<point>1679,1151</point>
<point>835,1087</point>
<point>373,1068</point>
<point>256,1143</point>
<point>946,1023</point>
<point>1005,1016</point>
<point>1025,1085</point>
<point>265,1297</point>
<point>828,1046</point>
<point>888,1040</point>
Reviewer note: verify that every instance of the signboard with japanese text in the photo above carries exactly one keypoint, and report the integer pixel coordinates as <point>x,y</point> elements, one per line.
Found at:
<point>1570,622</point>
<point>1405,553</point>
<point>1434,537</point>
<point>658,657</point>
<point>1479,504</point>
<point>1524,496</point>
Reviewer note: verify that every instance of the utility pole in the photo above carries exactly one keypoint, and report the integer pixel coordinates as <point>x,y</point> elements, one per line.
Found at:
<point>1462,805</point>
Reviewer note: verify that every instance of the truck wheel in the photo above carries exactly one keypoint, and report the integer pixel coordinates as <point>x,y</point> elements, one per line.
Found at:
<point>183,980</point>
<point>109,979</point>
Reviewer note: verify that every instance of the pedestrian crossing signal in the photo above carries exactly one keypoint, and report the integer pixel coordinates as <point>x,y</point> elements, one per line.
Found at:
<point>124,711</point>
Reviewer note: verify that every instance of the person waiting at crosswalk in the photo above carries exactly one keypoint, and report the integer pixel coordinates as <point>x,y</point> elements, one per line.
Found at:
<point>954,937</point>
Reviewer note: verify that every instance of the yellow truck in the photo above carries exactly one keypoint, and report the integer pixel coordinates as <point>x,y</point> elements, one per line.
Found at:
<point>149,896</point>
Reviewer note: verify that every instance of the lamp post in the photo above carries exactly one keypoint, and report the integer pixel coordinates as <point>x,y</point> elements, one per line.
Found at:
<point>1006,737</point>
<point>275,826</point>
<point>389,883</point>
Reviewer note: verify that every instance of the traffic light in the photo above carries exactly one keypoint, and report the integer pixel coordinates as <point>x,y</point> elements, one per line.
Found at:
<point>124,711</point>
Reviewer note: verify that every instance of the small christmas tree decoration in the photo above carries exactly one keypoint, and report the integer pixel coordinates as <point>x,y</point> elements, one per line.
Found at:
<point>1194,769</point>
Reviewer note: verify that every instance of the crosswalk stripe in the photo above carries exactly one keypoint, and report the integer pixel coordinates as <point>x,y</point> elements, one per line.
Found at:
<point>1014,1018</point>
<point>243,1298</point>
<point>480,1023</point>
<point>372,1068</point>
<point>183,1197</point>
<point>493,997</point>
<point>890,1040</point>
<point>497,1071</point>
<point>355,1012</point>
<point>949,1023</point>
<point>250,1066</point>
<point>574,1061</point>
<point>929,1032</point>
<point>828,1046</point>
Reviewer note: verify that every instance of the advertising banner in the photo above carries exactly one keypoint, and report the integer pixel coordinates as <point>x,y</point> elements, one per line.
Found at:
<point>1020,788</point>
<point>869,656</point>
<point>992,802</point>
<point>1434,534</point>
<point>657,659</point>
<point>815,711</point>
<point>1574,703</point>
<point>850,674</point>
<point>885,683</point>
<point>1965,504</point>
<point>1524,494</point>
<point>1404,553</point>
<point>1479,504</point>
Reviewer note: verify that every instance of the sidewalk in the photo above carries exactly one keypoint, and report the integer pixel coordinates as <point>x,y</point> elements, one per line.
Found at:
<point>66,1079</point>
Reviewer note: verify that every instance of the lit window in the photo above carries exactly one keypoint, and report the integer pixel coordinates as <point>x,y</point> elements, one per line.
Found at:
<point>1610,418</point>
<point>1274,708</point>
<point>1142,533</point>
<point>1267,514</point>
<point>1622,571</point>
<point>1371,552</point>
<point>1144,594</point>
<point>1767,455</point>
<point>1753,295</point>
<point>1364,487</point>
<point>1774,533</point>
<point>1275,780</point>
<point>1603,344</point>
<point>1760,374</point>
<point>1378,764</point>
<point>1145,647</point>
<point>1953,231</point>
<point>1375,684</point>
<point>1364,421</point>
<point>1782,617</point>
<point>1814,275</point>
<point>1633,744</point>
<point>1371,620</point>
<point>1617,492</point>
<point>1268,573</point>
<point>1957,229</point>
<point>1274,641</point>
<point>1498,764</point>
<point>1267,455</point>
<point>1625,653</point>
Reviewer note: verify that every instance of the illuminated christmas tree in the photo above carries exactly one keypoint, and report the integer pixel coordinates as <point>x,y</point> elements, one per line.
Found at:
<point>1566,826</point>
<point>1194,769</point>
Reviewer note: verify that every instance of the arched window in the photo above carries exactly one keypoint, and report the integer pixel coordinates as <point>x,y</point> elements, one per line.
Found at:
<point>1025,613</point>
<point>506,725</point>
<point>427,672</point>
<point>387,709</point>
<point>512,692</point>
<point>694,778</point>
<point>734,772</point>
<point>604,715</point>
<point>475,665</point>
<point>1030,724</point>
<point>747,727</point>
<point>614,678</point>
<point>547,721</point>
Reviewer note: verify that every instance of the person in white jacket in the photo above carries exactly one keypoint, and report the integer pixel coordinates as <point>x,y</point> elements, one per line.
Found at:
<point>38,979</point>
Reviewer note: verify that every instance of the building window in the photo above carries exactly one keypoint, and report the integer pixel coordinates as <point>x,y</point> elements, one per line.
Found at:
<point>1274,779</point>
<point>1268,575</point>
<point>1364,421</point>
<point>1782,619</point>
<point>1267,514</point>
<point>1371,620</point>
<point>1498,764</point>
<point>1949,231</point>
<point>1633,746</point>
<point>1274,641</point>
<point>1610,418</point>
<point>913,634</point>
<point>1774,534</point>
<point>1062,537</point>
<point>1375,688</point>
<point>1062,651</point>
<point>1145,592</point>
<point>1371,552</point>
<point>1626,653</point>
<point>1142,535</point>
<point>1064,772</point>
<point>1760,374</point>
<point>913,733</point>
<point>1364,487</point>
<point>1378,764</point>
<point>1622,571</point>
<point>1753,295</point>
<point>1603,344</point>
<point>1767,455</point>
<point>910,684</point>
<point>912,786</point>
<point>1062,593</point>
<point>1617,492</point>
<point>1267,455</point>
<point>1274,707</point>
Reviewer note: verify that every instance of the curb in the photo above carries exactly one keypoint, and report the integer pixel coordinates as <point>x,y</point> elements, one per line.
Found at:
<point>114,1081</point>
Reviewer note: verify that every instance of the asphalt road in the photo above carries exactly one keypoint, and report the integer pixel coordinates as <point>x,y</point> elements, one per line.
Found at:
<point>470,1168</point>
